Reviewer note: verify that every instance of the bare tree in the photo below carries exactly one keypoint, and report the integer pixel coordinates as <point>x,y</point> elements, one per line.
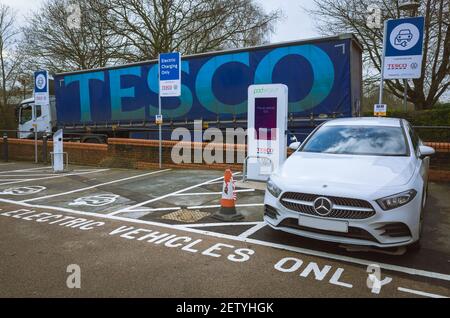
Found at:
<point>10,62</point>
<point>188,26</point>
<point>334,16</point>
<point>68,35</point>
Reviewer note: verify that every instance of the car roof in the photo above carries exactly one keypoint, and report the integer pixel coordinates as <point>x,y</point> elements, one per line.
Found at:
<point>365,121</point>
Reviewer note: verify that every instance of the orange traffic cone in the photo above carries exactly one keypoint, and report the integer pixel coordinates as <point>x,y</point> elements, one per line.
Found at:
<point>227,202</point>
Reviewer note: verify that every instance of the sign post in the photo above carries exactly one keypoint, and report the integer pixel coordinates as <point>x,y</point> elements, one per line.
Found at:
<point>402,50</point>
<point>169,86</point>
<point>41,98</point>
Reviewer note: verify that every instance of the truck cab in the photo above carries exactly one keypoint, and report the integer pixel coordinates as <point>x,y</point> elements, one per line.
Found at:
<point>35,118</point>
<point>38,118</point>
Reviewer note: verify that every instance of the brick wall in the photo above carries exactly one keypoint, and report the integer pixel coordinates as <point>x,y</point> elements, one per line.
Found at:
<point>83,154</point>
<point>119,152</point>
<point>143,154</point>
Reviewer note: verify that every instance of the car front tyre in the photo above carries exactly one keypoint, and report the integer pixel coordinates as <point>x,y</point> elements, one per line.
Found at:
<point>414,247</point>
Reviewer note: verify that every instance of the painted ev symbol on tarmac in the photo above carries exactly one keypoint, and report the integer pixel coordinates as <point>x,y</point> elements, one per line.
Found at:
<point>22,190</point>
<point>96,200</point>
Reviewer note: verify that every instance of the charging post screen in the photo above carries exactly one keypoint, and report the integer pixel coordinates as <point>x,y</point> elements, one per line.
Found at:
<point>266,118</point>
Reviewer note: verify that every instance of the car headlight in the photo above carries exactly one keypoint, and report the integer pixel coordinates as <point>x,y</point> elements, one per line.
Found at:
<point>396,200</point>
<point>273,188</point>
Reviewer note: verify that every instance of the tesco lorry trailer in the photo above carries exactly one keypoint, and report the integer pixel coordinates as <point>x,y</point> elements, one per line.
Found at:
<point>323,75</point>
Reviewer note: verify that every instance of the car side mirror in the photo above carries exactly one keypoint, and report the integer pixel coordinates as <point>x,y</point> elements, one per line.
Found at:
<point>425,151</point>
<point>294,145</point>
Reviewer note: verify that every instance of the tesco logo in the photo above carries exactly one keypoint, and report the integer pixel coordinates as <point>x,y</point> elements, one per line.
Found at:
<point>402,66</point>
<point>264,150</point>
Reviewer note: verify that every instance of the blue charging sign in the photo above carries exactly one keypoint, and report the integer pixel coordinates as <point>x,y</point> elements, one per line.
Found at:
<point>170,74</point>
<point>403,42</point>
<point>41,93</point>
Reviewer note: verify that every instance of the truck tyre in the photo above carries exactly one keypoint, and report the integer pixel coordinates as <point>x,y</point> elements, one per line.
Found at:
<point>94,140</point>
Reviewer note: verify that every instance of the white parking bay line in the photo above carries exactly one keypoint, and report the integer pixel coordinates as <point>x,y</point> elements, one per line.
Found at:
<point>29,169</point>
<point>56,176</point>
<point>304,251</point>
<point>218,206</point>
<point>252,230</point>
<point>216,224</point>
<point>216,182</point>
<point>37,175</point>
<point>174,208</point>
<point>209,193</point>
<point>421,293</point>
<point>130,209</point>
<point>6,181</point>
<point>95,186</point>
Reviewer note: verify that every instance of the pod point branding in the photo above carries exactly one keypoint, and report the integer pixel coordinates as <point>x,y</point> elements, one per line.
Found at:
<point>265,90</point>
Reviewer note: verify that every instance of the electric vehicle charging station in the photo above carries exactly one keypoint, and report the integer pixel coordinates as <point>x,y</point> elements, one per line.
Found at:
<point>267,129</point>
<point>58,151</point>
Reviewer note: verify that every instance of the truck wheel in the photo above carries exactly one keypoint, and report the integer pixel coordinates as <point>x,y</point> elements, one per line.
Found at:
<point>94,140</point>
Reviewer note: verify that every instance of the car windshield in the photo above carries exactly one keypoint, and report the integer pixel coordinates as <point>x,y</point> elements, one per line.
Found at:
<point>358,140</point>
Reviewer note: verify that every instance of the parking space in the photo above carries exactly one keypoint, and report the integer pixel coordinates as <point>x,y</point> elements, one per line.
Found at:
<point>186,201</point>
<point>26,177</point>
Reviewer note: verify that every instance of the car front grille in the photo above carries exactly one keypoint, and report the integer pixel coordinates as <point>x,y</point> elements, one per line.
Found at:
<point>353,232</point>
<point>342,208</point>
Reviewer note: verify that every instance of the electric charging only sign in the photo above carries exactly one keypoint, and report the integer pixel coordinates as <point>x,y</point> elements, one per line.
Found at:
<point>170,74</point>
<point>403,41</point>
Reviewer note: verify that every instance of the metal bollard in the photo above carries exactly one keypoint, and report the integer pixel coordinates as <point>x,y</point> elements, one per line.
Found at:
<point>5,147</point>
<point>35,144</point>
<point>44,148</point>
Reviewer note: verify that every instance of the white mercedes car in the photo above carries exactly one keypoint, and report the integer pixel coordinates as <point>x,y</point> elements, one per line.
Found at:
<point>358,181</point>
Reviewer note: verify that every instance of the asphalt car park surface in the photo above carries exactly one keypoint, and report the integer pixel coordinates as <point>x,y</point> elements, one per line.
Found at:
<point>115,261</point>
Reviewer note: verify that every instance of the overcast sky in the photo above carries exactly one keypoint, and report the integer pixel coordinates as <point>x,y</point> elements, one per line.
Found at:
<point>295,25</point>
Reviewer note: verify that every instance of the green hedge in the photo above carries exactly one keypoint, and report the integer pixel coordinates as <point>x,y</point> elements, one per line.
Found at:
<point>439,116</point>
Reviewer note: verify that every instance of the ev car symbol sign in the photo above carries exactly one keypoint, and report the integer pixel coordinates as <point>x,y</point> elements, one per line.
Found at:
<point>41,95</point>
<point>403,42</point>
<point>170,74</point>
